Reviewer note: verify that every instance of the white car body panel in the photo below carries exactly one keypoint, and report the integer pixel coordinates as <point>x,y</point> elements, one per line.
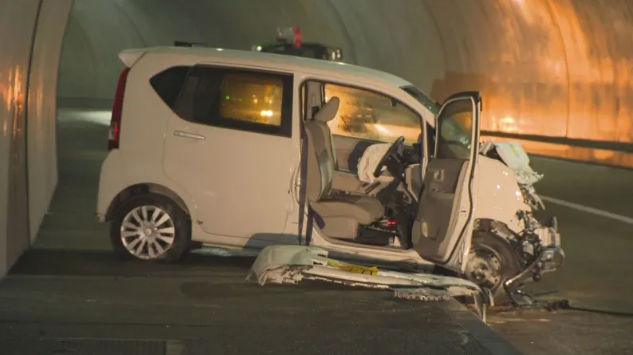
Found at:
<point>262,171</point>
<point>276,265</point>
<point>498,196</point>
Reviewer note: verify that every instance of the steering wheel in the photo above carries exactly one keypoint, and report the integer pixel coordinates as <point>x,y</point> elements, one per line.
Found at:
<point>391,152</point>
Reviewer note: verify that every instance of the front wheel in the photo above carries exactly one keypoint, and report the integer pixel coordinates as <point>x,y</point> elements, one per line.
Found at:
<point>150,227</point>
<point>491,262</point>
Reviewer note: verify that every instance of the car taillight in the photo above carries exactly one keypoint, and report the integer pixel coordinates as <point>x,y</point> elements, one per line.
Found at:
<point>117,110</point>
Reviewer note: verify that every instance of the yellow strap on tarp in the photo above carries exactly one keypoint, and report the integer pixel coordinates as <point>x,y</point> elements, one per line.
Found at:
<point>357,269</point>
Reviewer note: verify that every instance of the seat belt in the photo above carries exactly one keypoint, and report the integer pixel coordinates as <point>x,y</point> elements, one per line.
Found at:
<point>303,189</point>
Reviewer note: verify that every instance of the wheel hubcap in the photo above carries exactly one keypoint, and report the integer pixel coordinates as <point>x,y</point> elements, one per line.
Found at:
<point>484,268</point>
<point>147,232</point>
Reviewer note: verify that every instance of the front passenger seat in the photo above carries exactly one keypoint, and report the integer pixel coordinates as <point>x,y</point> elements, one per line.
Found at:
<point>341,214</point>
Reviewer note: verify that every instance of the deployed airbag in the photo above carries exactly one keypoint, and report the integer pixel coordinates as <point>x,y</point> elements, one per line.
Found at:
<point>369,161</point>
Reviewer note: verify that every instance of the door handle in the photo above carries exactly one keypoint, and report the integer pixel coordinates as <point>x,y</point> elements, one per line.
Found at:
<point>438,175</point>
<point>188,135</point>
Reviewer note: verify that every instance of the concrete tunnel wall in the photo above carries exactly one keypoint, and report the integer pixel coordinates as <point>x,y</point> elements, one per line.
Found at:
<point>28,89</point>
<point>555,68</point>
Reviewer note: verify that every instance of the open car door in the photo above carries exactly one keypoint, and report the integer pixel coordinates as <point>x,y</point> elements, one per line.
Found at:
<point>442,231</point>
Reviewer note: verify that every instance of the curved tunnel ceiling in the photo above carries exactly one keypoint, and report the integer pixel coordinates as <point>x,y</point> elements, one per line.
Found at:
<point>545,67</point>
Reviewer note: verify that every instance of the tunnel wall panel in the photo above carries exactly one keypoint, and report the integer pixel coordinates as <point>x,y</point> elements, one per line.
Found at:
<point>42,108</point>
<point>557,68</point>
<point>28,83</point>
<point>17,23</point>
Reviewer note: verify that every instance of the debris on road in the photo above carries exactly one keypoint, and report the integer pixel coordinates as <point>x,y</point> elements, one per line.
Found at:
<point>289,264</point>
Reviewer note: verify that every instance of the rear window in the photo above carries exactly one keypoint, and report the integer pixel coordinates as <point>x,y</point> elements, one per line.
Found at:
<point>168,83</point>
<point>239,99</point>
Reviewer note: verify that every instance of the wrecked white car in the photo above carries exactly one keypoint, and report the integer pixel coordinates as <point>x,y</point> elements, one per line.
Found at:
<point>244,150</point>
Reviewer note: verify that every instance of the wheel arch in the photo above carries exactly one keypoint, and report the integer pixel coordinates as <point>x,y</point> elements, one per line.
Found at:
<point>496,227</point>
<point>144,188</point>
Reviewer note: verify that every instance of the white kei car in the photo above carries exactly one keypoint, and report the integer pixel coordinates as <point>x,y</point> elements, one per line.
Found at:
<point>211,146</point>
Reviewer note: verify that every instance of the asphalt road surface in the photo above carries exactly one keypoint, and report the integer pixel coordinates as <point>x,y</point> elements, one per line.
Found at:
<point>205,306</point>
<point>54,293</point>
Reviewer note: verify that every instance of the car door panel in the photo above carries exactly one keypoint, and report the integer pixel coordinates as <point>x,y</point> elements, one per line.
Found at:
<point>237,194</point>
<point>443,175</point>
<point>441,186</point>
<point>237,173</point>
<point>444,221</point>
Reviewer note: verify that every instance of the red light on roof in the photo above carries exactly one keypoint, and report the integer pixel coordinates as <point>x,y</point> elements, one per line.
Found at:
<point>297,39</point>
<point>290,34</point>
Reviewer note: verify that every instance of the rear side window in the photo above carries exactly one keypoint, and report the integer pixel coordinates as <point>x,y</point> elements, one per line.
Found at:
<point>168,83</point>
<point>254,101</point>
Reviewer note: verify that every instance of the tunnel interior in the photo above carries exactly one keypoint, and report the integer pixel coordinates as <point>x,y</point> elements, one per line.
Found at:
<point>551,68</point>
<point>547,67</point>
<point>554,69</point>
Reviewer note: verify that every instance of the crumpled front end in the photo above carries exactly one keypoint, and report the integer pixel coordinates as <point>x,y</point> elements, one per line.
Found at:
<point>535,238</point>
<point>540,245</point>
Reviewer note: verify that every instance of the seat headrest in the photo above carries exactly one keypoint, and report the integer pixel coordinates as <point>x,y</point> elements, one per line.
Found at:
<point>328,111</point>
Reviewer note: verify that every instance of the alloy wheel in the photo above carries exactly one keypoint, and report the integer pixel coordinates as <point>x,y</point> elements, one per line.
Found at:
<point>148,232</point>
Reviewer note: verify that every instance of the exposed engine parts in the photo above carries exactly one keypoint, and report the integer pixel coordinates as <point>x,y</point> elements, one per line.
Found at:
<point>538,249</point>
<point>531,198</point>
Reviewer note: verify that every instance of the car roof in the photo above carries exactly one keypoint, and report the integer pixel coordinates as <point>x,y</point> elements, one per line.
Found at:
<point>303,44</point>
<point>272,61</point>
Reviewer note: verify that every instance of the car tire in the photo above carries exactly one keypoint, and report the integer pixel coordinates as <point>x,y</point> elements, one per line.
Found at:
<point>497,255</point>
<point>150,227</point>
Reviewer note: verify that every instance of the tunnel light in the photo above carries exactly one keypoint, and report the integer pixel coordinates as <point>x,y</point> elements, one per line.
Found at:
<point>381,128</point>
<point>100,117</point>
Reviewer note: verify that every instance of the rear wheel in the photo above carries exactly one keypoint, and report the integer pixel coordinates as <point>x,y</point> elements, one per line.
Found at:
<point>150,227</point>
<point>491,262</point>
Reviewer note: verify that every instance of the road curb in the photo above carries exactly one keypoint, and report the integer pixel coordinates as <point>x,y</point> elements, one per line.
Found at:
<point>488,337</point>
